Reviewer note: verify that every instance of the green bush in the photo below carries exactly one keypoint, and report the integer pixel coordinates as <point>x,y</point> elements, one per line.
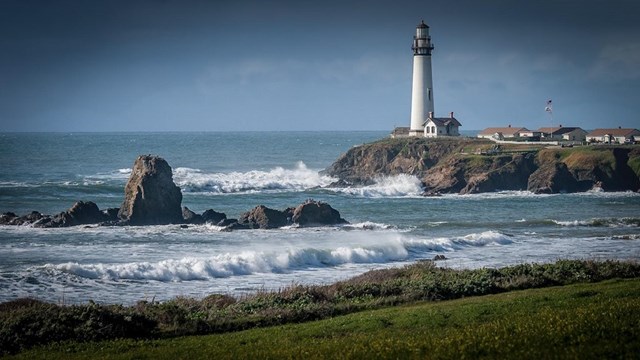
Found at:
<point>26,322</point>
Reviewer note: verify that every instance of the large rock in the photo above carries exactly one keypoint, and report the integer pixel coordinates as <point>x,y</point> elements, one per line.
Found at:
<point>150,196</point>
<point>190,217</point>
<point>261,217</point>
<point>509,172</point>
<point>314,213</point>
<point>7,217</point>
<point>213,217</point>
<point>551,178</point>
<point>81,213</point>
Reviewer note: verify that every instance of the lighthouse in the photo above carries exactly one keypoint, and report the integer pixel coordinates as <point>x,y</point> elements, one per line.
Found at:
<point>422,88</point>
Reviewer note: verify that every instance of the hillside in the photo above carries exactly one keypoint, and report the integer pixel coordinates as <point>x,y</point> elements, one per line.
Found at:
<point>466,165</point>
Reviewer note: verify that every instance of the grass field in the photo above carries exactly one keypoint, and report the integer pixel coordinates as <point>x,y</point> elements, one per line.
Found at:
<point>585,321</point>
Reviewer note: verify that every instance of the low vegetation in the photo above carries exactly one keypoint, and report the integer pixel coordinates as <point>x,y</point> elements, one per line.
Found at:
<point>26,323</point>
<point>583,321</point>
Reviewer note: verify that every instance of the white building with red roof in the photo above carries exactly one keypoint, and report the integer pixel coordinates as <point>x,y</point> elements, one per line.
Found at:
<point>616,135</point>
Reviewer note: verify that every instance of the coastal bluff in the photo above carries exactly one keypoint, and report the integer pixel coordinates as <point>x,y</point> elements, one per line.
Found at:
<point>468,165</point>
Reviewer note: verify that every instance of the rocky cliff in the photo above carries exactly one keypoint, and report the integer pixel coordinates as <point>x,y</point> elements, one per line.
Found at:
<point>472,166</point>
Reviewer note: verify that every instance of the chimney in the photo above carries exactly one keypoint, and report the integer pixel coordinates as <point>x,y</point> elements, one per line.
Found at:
<point>430,114</point>
<point>451,114</point>
<point>509,125</point>
<point>619,127</point>
<point>560,125</point>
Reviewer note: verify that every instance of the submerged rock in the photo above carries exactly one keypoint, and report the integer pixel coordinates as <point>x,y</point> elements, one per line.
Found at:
<point>150,196</point>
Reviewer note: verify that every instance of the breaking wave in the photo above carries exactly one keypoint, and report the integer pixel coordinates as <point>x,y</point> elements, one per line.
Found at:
<point>397,249</point>
<point>611,222</point>
<point>388,186</point>
<point>278,179</point>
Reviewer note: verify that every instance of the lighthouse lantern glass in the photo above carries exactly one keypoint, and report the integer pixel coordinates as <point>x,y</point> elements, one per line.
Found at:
<point>421,33</point>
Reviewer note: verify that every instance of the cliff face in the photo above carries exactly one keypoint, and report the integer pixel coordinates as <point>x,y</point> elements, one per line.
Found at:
<point>456,166</point>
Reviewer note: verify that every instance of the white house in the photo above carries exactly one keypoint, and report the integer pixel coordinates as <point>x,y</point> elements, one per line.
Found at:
<point>438,127</point>
<point>563,133</point>
<point>612,136</point>
<point>500,133</point>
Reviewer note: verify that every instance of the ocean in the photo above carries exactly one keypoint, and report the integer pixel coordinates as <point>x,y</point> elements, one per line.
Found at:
<point>391,225</point>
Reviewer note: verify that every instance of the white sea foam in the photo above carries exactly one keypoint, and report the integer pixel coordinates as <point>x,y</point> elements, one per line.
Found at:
<point>387,186</point>
<point>226,265</point>
<point>601,222</point>
<point>278,179</point>
<point>497,195</point>
<point>368,225</point>
<point>14,184</point>
<point>484,238</point>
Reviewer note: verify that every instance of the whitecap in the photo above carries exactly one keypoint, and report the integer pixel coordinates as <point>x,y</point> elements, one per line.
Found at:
<point>388,186</point>
<point>279,179</point>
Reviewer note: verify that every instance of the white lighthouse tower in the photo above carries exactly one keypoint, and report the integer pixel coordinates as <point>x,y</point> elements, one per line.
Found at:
<point>422,90</point>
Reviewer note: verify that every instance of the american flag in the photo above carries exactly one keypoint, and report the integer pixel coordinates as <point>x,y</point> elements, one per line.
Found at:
<point>548,108</point>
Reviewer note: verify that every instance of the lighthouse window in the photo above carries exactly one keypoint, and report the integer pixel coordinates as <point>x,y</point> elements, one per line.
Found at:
<point>429,94</point>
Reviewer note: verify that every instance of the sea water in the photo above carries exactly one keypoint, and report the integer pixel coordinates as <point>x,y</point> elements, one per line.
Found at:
<point>390,223</point>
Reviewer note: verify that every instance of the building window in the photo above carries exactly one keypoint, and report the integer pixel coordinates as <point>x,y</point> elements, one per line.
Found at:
<point>433,129</point>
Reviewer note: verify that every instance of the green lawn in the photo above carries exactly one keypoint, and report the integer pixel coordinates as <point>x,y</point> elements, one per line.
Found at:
<point>598,320</point>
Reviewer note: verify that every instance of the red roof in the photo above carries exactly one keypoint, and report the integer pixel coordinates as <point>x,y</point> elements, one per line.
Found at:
<point>614,132</point>
<point>504,130</point>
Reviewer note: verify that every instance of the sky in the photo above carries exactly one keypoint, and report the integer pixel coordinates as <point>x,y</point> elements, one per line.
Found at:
<point>141,65</point>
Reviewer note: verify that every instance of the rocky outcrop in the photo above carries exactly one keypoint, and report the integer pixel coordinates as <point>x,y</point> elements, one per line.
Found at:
<point>468,166</point>
<point>551,178</point>
<point>150,196</point>
<point>190,217</point>
<point>10,218</point>
<point>513,174</point>
<point>262,217</point>
<point>413,156</point>
<point>309,213</point>
<point>316,213</point>
<point>213,217</point>
<point>81,213</point>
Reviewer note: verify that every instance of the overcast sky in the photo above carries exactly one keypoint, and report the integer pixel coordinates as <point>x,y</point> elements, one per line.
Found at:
<point>313,65</point>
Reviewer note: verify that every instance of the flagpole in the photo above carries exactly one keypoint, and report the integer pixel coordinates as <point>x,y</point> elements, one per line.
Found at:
<point>549,109</point>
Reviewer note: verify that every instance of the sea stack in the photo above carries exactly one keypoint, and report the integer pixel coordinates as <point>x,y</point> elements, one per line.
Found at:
<point>150,196</point>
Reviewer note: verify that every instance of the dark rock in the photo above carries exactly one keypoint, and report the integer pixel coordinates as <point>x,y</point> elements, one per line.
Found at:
<point>237,226</point>
<point>552,178</point>
<point>213,217</point>
<point>151,197</point>
<point>86,212</point>
<point>313,213</point>
<point>6,218</point>
<point>263,217</point>
<point>81,213</point>
<point>288,212</point>
<point>111,214</point>
<point>510,172</point>
<point>190,217</point>
<point>30,218</point>
<point>183,226</point>
<point>227,222</point>
<point>439,257</point>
